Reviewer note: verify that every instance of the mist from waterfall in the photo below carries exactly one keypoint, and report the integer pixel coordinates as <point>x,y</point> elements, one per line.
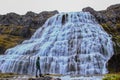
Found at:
<point>68,43</point>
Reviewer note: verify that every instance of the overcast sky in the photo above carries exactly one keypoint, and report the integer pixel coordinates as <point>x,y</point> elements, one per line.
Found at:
<point>22,6</point>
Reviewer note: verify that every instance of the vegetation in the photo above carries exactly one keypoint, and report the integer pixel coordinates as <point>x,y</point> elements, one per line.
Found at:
<point>7,75</point>
<point>114,30</point>
<point>112,77</point>
<point>113,63</point>
<point>12,35</point>
<point>9,41</point>
<point>9,37</point>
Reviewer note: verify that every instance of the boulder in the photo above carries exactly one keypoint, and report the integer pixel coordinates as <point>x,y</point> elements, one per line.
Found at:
<point>44,78</point>
<point>89,9</point>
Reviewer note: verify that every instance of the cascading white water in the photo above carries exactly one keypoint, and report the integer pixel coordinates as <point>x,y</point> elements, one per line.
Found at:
<point>68,43</point>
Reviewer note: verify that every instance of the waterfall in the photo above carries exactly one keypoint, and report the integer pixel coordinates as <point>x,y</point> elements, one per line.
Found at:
<point>68,43</point>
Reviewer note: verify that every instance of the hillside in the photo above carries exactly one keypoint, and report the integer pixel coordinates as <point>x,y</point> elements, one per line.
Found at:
<point>15,28</point>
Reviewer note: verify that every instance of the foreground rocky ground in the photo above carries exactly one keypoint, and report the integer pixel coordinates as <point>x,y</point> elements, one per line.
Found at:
<point>12,76</point>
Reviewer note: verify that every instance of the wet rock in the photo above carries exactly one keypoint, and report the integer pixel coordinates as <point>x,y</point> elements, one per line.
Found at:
<point>44,78</point>
<point>57,79</point>
<point>2,49</point>
<point>0,71</point>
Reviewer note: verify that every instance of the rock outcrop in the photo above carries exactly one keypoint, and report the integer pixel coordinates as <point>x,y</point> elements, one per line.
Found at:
<point>111,14</point>
<point>110,21</point>
<point>30,19</point>
<point>44,78</point>
<point>33,20</point>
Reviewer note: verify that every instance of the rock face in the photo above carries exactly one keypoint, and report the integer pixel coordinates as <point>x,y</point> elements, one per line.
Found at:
<point>19,27</point>
<point>110,14</point>
<point>2,49</point>
<point>30,19</point>
<point>10,18</point>
<point>44,78</point>
<point>110,21</point>
<point>36,20</point>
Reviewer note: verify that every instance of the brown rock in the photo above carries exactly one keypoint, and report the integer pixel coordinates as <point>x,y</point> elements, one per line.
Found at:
<point>44,78</point>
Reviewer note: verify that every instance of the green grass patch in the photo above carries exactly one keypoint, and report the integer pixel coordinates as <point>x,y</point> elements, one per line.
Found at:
<point>9,41</point>
<point>7,75</point>
<point>115,76</point>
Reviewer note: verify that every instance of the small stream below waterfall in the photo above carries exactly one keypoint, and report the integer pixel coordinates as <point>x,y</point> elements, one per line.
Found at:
<point>81,78</point>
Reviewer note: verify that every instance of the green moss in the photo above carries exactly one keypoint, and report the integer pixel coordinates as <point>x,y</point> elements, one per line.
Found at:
<point>114,31</point>
<point>7,75</point>
<point>112,76</point>
<point>10,29</point>
<point>118,26</point>
<point>109,29</point>
<point>9,41</point>
<point>105,26</point>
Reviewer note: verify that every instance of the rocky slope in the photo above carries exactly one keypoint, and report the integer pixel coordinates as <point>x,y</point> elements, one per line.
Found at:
<point>110,21</point>
<point>15,28</point>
